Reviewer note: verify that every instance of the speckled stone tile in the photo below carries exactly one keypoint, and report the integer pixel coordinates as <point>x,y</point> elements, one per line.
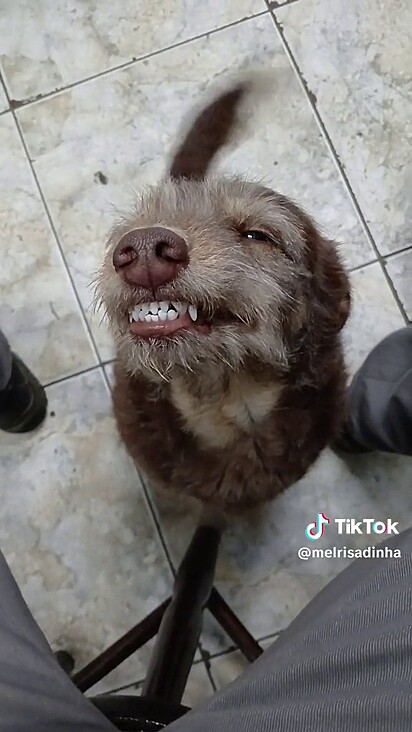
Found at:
<point>374,315</point>
<point>38,310</point>
<point>400,271</point>
<point>356,59</point>
<point>75,527</point>
<point>48,45</point>
<point>199,686</point>
<point>258,571</point>
<point>87,161</point>
<point>228,666</point>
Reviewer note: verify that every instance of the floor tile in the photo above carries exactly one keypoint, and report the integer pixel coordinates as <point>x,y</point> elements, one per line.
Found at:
<point>226,668</point>
<point>3,100</point>
<point>82,546</point>
<point>90,37</point>
<point>38,310</point>
<point>374,314</point>
<point>109,371</point>
<point>199,686</point>
<point>400,271</point>
<point>357,62</point>
<point>87,162</point>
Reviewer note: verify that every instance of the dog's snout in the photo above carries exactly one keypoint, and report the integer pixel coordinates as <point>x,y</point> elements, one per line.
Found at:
<point>150,257</point>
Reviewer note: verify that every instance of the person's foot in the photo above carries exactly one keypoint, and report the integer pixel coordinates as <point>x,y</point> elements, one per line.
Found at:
<point>23,403</point>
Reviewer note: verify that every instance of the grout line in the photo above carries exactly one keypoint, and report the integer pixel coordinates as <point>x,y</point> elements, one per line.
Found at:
<point>20,104</point>
<point>341,170</point>
<point>357,267</point>
<point>67,377</point>
<point>92,342</point>
<point>390,255</point>
<point>234,648</point>
<point>275,4</point>
<point>206,657</point>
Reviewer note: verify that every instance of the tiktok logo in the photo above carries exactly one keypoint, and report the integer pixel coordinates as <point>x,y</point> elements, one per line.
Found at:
<point>315,530</point>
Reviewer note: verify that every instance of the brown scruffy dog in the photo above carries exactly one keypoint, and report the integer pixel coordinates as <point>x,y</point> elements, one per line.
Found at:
<point>226,304</point>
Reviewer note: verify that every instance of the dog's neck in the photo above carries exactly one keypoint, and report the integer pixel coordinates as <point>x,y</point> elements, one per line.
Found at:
<point>218,405</point>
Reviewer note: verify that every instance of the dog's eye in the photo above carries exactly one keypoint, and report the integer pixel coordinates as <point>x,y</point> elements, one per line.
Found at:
<point>256,235</point>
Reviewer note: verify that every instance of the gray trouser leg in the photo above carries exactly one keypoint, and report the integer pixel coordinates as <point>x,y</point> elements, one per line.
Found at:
<point>5,361</point>
<point>344,664</point>
<point>35,694</point>
<point>380,397</point>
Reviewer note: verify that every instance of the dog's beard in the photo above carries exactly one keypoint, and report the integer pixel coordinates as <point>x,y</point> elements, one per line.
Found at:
<point>226,350</point>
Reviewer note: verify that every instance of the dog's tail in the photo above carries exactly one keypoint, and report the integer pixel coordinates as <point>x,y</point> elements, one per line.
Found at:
<point>212,129</point>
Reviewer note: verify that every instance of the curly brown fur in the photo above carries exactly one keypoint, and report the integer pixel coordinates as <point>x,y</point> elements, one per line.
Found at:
<point>236,415</point>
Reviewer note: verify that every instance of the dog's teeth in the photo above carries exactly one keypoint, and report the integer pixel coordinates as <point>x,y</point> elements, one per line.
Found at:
<point>162,315</point>
<point>155,319</point>
<point>164,306</point>
<point>130,317</point>
<point>145,307</point>
<point>193,312</point>
<point>141,316</point>
<point>172,315</point>
<point>148,318</point>
<point>154,307</point>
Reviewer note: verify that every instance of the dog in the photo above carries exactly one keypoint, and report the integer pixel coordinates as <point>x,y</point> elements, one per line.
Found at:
<point>226,305</point>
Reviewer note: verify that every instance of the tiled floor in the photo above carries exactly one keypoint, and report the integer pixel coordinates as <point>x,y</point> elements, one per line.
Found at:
<point>93,93</point>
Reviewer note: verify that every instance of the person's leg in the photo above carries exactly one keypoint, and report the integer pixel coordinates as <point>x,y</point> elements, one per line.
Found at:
<point>35,693</point>
<point>345,663</point>
<point>380,399</point>
<point>23,402</point>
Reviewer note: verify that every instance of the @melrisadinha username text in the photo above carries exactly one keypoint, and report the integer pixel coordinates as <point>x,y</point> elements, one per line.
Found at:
<point>345,552</point>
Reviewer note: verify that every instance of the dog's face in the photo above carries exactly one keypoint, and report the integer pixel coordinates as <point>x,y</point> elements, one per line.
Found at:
<point>244,272</point>
<point>209,271</point>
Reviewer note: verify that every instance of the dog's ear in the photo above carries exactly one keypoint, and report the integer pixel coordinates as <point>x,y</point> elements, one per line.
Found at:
<point>330,283</point>
<point>211,130</point>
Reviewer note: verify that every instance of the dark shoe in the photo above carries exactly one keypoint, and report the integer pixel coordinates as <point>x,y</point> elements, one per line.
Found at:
<point>23,403</point>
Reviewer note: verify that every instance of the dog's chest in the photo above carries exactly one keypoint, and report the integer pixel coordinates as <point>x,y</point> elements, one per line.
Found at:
<point>217,420</point>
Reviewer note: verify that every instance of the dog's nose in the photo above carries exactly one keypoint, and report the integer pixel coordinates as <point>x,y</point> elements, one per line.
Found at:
<point>150,257</point>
